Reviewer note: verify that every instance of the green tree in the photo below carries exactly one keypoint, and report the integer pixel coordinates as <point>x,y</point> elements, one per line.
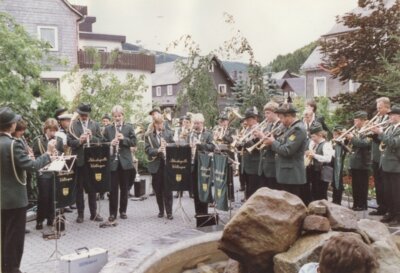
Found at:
<point>388,83</point>
<point>294,60</point>
<point>358,53</point>
<point>103,89</point>
<point>22,60</point>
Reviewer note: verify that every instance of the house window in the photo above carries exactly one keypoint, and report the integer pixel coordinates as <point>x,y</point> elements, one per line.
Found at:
<point>50,35</point>
<point>222,89</point>
<point>320,87</point>
<point>331,40</point>
<point>169,90</point>
<point>158,91</point>
<point>353,86</point>
<point>52,82</point>
<point>211,67</point>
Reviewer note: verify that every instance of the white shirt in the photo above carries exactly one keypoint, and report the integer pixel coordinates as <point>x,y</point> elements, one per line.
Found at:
<point>327,151</point>
<point>309,268</point>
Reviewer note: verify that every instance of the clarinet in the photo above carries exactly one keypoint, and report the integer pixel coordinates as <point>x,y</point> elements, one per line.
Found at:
<point>116,146</point>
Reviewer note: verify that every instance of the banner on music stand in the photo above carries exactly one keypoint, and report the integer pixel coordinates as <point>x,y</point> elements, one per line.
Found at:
<point>97,168</point>
<point>220,170</point>
<point>177,167</point>
<point>204,177</point>
<point>65,189</point>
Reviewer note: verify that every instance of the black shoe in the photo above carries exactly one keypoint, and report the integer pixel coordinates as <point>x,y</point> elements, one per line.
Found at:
<point>176,195</point>
<point>96,218</point>
<point>387,218</point>
<point>395,222</point>
<point>111,218</point>
<point>39,226</point>
<point>241,189</point>
<point>131,195</point>
<point>170,217</point>
<point>377,213</point>
<point>123,215</point>
<point>72,207</point>
<point>79,220</point>
<point>27,231</point>
<point>358,209</point>
<point>50,223</point>
<point>152,194</point>
<point>67,210</point>
<point>160,215</point>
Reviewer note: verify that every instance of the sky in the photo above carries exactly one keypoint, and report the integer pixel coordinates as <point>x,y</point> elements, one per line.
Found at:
<point>272,27</point>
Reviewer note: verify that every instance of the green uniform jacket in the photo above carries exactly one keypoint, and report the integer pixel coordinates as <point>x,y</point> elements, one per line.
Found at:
<point>13,193</point>
<point>267,166</point>
<point>77,148</point>
<point>360,158</point>
<point>390,159</point>
<point>250,161</point>
<point>40,146</point>
<point>290,155</point>
<point>124,152</point>
<point>376,141</point>
<point>151,149</point>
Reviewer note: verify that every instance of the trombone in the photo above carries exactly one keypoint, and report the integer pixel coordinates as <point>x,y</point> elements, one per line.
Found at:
<point>367,129</point>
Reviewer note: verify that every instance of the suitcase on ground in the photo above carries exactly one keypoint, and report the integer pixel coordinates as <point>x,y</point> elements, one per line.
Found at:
<point>84,260</point>
<point>207,220</point>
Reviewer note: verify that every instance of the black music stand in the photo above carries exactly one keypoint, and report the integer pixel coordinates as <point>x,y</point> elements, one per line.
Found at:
<point>59,165</point>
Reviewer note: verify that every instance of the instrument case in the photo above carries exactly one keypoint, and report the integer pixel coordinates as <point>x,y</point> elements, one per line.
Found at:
<point>84,260</point>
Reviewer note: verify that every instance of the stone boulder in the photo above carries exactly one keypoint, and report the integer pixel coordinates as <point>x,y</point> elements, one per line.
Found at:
<point>340,218</point>
<point>375,230</point>
<point>388,256</point>
<point>316,223</point>
<point>307,249</point>
<point>267,224</point>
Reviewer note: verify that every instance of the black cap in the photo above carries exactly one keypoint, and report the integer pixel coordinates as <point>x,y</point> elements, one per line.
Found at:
<point>186,117</point>
<point>59,112</point>
<point>223,116</point>
<point>106,116</point>
<point>361,115</point>
<point>84,109</point>
<point>7,116</point>
<point>316,128</point>
<point>155,109</point>
<point>286,108</point>
<point>338,128</point>
<point>251,113</point>
<point>395,110</point>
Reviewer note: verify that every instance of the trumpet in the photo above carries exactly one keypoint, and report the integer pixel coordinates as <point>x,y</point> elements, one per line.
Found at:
<point>341,138</point>
<point>259,126</point>
<point>163,148</point>
<point>260,145</point>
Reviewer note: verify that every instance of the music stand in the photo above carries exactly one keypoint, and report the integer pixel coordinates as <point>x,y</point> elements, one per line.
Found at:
<point>58,165</point>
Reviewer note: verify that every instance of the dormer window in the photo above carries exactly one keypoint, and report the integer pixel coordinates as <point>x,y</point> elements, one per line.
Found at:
<point>211,67</point>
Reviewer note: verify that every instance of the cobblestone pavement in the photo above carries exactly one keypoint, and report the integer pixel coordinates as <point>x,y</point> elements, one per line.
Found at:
<point>141,226</point>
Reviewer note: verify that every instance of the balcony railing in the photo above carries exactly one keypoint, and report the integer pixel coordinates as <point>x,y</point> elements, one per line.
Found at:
<point>123,60</point>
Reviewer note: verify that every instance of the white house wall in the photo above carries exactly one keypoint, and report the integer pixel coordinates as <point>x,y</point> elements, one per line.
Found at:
<point>108,45</point>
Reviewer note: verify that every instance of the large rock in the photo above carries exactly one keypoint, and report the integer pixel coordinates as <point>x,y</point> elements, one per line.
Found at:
<point>267,224</point>
<point>307,249</point>
<point>388,256</point>
<point>340,218</point>
<point>316,223</point>
<point>375,230</point>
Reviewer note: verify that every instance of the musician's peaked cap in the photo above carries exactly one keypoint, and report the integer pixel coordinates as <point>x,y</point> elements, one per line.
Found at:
<point>223,116</point>
<point>155,109</point>
<point>84,109</point>
<point>62,114</point>
<point>7,116</point>
<point>361,115</point>
<point>106,116</point>
<point>338,128</point>
<point>286,108</point>
<point>251,112</point>
<point>395,110</point>
<point>316,128</point>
